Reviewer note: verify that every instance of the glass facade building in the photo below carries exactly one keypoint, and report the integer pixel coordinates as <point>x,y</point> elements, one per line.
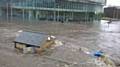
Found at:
<point>55,10</point>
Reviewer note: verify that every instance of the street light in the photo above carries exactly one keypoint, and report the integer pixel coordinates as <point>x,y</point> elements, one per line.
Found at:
<point>58,13</point>
<point>11,9</point>
<point>7,11</point>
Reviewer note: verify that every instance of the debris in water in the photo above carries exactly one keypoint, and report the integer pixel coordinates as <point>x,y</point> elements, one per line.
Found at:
<point>85,50</point>
<point>20,31</point>
<point>58,43</point>
<point>100,58</point>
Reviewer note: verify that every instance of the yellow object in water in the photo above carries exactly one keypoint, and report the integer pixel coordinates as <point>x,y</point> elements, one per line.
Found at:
<point>107,61</point>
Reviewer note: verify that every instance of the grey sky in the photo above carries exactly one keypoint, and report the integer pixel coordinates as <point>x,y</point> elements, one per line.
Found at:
<point>113,2</point>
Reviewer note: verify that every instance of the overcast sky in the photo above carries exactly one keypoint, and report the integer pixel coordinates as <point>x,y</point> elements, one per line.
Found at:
<point>113,2</point>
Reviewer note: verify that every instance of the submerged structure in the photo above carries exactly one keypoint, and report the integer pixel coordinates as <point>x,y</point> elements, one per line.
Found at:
<point>54,10</point>
<point>37,42</point>
<point>29,39</point>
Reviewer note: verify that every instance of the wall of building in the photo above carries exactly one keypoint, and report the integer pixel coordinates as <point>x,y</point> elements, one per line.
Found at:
<point>112,12</point>
<point>69,10</point>
<point>57,5</point>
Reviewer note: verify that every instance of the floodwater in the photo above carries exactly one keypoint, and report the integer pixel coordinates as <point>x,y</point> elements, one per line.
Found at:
<point>109,39</point>
<point>100,36</point>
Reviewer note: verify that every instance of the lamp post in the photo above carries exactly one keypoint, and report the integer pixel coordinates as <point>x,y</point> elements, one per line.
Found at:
<point>11,16</point>
<point>54,11</point>
<point>7,11</point>
<point>58,14</point>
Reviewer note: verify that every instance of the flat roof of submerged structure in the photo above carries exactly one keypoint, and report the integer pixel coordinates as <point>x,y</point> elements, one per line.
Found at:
<point>31,38</point>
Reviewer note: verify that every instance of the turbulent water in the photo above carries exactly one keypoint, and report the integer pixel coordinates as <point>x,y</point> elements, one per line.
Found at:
<point>99,36</point>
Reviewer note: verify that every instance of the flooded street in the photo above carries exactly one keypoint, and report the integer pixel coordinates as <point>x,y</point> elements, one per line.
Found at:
<point>74,36</point>
<point>109,39</point>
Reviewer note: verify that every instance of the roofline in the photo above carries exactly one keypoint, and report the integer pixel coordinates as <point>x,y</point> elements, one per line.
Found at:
<point>26,44</point>
<point>117,7</point>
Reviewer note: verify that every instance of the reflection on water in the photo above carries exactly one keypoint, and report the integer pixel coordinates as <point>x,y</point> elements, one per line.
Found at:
<point>109,39</point>
<point>113,27</point>
<point>106,37</point>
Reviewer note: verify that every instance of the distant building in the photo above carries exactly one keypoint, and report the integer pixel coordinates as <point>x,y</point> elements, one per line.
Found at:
<point>112,12</point>
<point>54,10</point>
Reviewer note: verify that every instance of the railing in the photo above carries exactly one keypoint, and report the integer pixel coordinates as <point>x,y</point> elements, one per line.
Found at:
<point>53,9</point>
<point>60,7</point>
